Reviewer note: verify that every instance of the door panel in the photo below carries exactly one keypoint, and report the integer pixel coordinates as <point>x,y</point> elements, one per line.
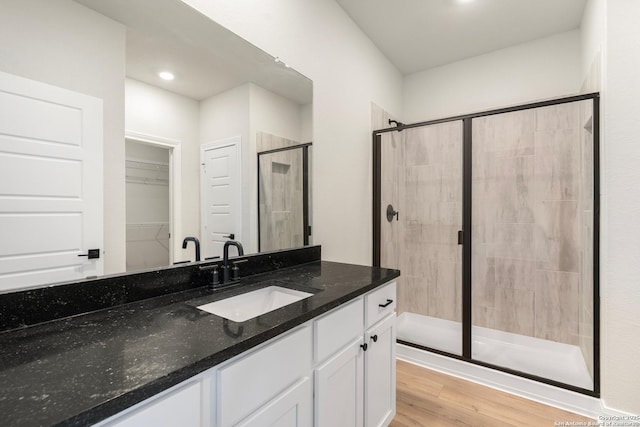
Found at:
<point>292,408</point>
<point>421,188</point>
<point>380,373</point>
<point>339,389</point>
<point>50,183</point>
<point>221,196</point>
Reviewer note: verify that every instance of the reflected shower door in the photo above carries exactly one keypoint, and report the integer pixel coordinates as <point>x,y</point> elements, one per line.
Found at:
<point>282,195</point>
<point>532,231</point>
<point>421,202</point>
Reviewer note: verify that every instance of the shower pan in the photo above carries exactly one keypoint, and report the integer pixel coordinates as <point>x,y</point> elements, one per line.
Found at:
<point>493,220</point>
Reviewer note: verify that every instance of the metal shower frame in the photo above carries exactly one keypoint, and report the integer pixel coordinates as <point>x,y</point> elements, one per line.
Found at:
<point>466,229</point>
<point>306,227</point>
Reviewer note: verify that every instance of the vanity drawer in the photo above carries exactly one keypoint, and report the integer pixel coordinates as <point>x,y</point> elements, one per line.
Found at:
<point>338,328</point>
<point>253,380</point>
<point>380,303</point>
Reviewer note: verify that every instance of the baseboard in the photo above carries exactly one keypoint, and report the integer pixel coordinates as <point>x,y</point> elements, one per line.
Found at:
<point>523,387</point>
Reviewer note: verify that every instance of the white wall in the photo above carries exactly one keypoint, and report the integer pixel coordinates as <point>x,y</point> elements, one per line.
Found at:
<point>274,114</point>
<point>158,112</point>
<point>541,69</point>
<point>592,32</point>
<point>306,127</point>
<point>620,274</point>
<point>70,46</point>
<point>317,38</point>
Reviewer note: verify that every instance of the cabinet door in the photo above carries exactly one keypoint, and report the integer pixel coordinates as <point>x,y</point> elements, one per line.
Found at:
<point>293,408</point>
<point>178,408</point>
<point>380,373</point>
<point>251,381</point>
<point>339,389</point>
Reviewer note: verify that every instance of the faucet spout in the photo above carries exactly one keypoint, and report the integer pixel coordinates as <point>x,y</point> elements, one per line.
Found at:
<point>196,242</point>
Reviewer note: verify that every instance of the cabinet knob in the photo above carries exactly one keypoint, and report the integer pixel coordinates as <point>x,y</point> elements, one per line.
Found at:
<point>374,338</point>
<point>364,346</point>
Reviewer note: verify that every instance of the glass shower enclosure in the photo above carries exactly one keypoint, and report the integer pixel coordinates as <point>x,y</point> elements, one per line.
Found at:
<point>492,219</point>
<point>283,197</point>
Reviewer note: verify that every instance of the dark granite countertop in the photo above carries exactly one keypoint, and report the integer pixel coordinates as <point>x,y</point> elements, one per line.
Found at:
<point>81,369</point>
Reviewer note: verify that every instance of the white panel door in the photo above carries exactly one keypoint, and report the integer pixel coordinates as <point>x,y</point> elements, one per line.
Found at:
<point>221,198</point>
<point>380,373</point>
<point>50,183</point>
<point>339,389</point>
<point>293,408</point>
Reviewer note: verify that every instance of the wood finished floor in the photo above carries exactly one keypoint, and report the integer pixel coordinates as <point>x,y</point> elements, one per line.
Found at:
<point>431,399</point>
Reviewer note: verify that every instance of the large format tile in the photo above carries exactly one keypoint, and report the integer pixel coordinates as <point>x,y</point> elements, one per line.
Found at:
<point>512,241</point>
<point>557,306</point>
<point>445,290</point>
<point>509,134</point>
<point>557,165</point>
<point>560,116</point>
<point>515,311</point>
<point>513,273</point>
<point>557,237</point>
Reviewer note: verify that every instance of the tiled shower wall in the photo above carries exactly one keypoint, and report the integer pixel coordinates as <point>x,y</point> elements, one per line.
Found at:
<point>532,223</point>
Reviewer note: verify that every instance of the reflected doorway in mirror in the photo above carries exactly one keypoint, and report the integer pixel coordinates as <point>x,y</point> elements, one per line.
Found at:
<point>221,194</point>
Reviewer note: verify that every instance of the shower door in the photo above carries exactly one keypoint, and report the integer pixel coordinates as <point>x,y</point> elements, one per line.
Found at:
<point>492,219</point>
<point>421,214</point>
<point>283,198</point>
<point>532,231</point>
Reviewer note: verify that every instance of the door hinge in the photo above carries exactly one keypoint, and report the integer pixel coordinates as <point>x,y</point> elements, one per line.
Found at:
<point>460,237</point>
<point>308,230</point>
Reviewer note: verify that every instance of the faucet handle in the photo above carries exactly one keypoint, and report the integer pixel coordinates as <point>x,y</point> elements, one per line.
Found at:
<point>235,270</point>
<point>215,276</point>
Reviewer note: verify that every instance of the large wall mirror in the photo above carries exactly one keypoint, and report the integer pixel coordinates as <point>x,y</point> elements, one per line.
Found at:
<point>98,151</point>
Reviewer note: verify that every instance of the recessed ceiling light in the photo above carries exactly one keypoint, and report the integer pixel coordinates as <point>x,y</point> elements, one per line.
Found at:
<point>166,75</point>
<point>466,1</point>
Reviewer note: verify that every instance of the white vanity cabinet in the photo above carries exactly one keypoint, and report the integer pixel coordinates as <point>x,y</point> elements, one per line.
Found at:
<point>380,357</point>
<point>355,386</point>
<point>336,370</point>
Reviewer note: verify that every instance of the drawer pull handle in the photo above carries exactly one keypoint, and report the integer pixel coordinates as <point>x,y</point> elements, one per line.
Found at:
<point>364,346</point>
<point>374,338</point>
<point>389,301</point>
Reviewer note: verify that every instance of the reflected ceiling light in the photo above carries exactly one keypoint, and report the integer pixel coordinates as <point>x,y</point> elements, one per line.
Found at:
<point>166,75</point>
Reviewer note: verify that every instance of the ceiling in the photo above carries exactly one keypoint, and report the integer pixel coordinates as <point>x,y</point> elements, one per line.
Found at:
<point>419,34</point>
<point>206,58</point>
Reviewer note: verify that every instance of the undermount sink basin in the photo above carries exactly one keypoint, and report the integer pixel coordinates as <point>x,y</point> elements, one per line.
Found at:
<point>253,304</point>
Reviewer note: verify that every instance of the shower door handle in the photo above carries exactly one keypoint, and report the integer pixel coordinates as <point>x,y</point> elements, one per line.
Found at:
<point>391,213</point>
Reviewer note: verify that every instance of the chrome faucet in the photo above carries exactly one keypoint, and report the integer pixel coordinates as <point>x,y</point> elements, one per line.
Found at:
<point>196,242</point>
<point>225,259</point>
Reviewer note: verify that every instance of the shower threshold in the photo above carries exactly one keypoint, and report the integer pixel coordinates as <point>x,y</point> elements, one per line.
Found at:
<point>548,359</point>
